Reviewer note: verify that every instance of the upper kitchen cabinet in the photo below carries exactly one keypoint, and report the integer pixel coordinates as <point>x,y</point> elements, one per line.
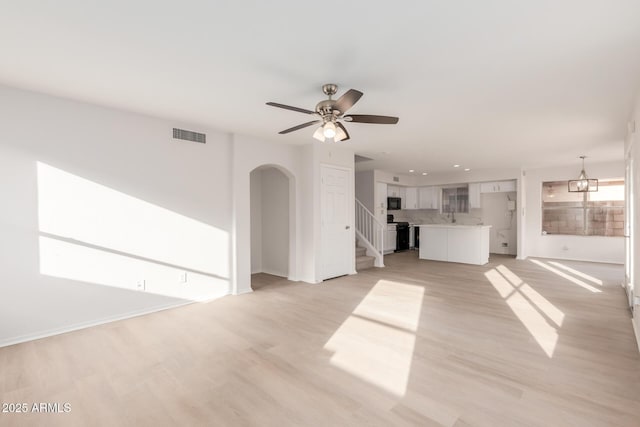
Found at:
<point>429,198</point>
<point>498,187</point>
<point>474,196</point>
<point>411,199</point>
<point>397,191</point>
<point>393,191</point>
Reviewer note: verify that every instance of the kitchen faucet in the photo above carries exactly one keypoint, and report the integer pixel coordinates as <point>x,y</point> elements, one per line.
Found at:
<point>452,214</point>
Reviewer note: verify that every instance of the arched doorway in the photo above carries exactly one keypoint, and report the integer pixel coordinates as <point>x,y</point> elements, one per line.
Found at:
<point>272,219</point>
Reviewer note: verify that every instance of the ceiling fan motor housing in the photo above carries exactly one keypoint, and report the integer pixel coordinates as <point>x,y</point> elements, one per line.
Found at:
<point>327,109</point>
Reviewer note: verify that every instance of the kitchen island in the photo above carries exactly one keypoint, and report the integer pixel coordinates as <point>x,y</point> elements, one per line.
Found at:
<point>467,244</point>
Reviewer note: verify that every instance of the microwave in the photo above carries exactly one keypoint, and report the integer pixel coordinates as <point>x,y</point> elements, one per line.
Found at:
<point>394,203</point>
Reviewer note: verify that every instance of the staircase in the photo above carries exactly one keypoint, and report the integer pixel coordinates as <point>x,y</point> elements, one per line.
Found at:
<point>369,239</point>
<point>363,261</point>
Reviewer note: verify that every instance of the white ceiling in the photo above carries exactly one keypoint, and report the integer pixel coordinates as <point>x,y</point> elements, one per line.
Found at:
<point>486,84</point>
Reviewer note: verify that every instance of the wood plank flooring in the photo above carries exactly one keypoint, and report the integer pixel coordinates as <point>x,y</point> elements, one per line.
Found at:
<point>418,343</point>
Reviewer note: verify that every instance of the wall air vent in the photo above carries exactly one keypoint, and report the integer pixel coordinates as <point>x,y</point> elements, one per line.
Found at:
<point>188,135</point>
<point>396,179</point>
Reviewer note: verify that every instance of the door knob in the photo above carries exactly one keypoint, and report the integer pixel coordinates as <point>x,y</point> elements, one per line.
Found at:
<point>347,227</point>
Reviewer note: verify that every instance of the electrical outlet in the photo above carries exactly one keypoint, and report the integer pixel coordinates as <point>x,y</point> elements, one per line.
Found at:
<point>183,277</point>
<point>141,284</point>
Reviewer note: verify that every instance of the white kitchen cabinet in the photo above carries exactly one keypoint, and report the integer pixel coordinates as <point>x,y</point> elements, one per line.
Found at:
<point>393,191</point>
<point>402,193</point>
<point>429,198</point>
<point>468,244</point>
<point>498,187</point>
<point>411,198</point>
<point>507,186</point>
<point>433,243</point>
<point>474,196</point>
<point>390,239</point>
<point>398,191</point>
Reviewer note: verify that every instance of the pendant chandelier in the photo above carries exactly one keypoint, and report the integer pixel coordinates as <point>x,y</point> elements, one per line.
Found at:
<point>583,184</point>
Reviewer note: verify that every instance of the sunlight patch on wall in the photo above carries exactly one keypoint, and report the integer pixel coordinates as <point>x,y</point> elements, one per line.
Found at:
<point>527,304</point>
<point>74,207</point>
<point>84,264</point>
<point>376,342</point>
<point>566,276</point>
<point>94,234</point>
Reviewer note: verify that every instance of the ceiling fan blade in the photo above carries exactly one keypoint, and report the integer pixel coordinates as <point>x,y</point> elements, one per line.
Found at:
<point>289,107</point>
<point>338,124</point>
<point>347,100</point>
<point>366,118</point>
<point>304,125</point>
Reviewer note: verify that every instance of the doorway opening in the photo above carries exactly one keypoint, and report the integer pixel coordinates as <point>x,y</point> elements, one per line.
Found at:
<point>272,220</point>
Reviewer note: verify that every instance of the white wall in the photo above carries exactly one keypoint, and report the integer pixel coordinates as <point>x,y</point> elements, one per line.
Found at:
<point>107,215</point>
<point>94,197</point>
<point>302,166</point>
<point>275,222</point>
<point>251,153</point>
<point>585,248</point>
<point>632,150</point>
<point>475,175</point>
<point>503,222</point>
<point>390,178</point>
<point>256,221</point>
<point>365,189</point>
<point>269,222</point>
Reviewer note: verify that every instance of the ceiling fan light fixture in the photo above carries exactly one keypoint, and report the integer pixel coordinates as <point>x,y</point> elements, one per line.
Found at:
<point>329,130</point>
<point>340,135</point>
<point>319,134</point>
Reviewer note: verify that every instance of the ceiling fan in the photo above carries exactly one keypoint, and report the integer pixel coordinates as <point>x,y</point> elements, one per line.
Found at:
<point>330,112</point>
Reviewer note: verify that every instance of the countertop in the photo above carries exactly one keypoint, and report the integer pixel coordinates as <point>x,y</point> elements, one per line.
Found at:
<point>452,226</point>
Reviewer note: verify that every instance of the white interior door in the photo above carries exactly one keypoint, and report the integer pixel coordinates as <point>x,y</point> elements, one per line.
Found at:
<point>337,242</point>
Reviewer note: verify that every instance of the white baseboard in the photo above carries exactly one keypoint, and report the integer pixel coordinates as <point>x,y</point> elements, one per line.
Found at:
<point>83,325</point>
<point>636,331</point>
<point>274,272</point>
<point>579,259</point>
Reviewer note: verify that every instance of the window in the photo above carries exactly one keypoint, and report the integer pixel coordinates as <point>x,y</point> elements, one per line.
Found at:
<point>598,213</point>
<point>455,200</point>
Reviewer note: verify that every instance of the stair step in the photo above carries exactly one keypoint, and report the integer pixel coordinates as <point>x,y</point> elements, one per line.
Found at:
<point>364,262</point>
<point>361,251</point>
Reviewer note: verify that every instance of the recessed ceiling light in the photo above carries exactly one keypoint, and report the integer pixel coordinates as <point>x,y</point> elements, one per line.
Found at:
<point>467,169</point>
<point>424,173</point>
<point>456,166</point>
<point>411,170</point>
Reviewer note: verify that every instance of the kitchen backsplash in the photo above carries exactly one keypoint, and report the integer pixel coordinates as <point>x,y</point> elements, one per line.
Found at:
<point>433,216</point>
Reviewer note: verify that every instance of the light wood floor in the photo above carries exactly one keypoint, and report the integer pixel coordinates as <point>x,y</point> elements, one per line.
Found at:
<point>418,343</point>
